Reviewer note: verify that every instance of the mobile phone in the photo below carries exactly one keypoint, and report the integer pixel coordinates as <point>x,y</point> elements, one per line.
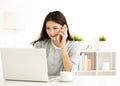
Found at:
<point>59,38</point>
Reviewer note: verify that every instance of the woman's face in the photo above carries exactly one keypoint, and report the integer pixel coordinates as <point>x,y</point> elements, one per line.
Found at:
<point>52,29</point>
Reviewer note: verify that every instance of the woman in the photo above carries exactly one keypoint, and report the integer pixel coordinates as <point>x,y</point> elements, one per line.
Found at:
<point>62,51</point>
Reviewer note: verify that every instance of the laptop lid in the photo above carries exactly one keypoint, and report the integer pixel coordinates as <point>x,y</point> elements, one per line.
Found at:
<point>24,64</point>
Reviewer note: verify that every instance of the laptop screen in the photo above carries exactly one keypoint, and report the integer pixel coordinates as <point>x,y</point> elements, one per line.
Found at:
<point>24,64</point>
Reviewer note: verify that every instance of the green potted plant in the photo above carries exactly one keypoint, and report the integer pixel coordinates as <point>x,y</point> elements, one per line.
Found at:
<point>102,38</point>
<point>80,41</point>
<point>77,38</point>
<point>102,43</point>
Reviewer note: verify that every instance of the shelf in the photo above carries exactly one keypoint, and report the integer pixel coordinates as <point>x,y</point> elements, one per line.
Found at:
<point>106,70</point>
<point>97,63</point>
<point>86,73</point>
<point>106,73</point>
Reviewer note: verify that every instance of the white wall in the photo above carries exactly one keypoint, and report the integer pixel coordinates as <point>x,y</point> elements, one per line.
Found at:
<point>86,18</point>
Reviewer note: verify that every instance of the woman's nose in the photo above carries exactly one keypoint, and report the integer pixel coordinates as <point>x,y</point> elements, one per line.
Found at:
<point>51,31</point>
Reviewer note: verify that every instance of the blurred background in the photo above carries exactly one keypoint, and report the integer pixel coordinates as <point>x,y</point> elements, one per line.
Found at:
<point>21,21</point>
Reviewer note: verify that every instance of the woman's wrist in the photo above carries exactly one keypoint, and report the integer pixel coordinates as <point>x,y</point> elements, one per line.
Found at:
<point>63,47</point>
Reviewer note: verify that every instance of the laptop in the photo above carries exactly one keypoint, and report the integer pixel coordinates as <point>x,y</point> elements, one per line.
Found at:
<point>26,64</point>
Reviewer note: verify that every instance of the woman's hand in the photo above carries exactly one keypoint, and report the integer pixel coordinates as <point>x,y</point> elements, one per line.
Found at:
<point>62,36</point>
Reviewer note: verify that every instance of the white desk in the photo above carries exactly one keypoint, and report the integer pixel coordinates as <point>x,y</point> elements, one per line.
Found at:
<point>79,81</point>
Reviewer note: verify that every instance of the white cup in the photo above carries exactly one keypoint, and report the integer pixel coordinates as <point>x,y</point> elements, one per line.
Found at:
<point>66,76</point>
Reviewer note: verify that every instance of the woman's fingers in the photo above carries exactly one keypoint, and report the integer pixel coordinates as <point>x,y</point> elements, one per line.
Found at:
<point>64,30</point>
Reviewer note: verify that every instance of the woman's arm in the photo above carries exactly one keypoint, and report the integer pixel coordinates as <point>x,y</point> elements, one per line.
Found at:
<point>66,60</point>
<point>62,42</point>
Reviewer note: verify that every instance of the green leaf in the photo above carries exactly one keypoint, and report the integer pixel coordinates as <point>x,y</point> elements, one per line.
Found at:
<point>77,38</point>
<point>102,38</point>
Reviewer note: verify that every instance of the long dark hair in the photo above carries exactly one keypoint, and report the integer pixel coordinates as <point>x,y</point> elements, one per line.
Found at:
<point>57,17</point>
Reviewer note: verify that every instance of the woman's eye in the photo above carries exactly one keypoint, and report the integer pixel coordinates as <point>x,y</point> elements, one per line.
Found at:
<point>47,28</point>
<point>55,28</point>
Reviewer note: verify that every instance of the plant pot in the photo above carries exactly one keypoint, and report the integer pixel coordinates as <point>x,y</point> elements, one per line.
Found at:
<point>102,45</point>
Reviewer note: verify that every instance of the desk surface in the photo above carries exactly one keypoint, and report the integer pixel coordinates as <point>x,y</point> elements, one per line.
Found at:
<point>81,81</point>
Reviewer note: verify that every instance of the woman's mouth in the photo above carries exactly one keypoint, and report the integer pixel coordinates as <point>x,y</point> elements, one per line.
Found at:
<point>53,36</point>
